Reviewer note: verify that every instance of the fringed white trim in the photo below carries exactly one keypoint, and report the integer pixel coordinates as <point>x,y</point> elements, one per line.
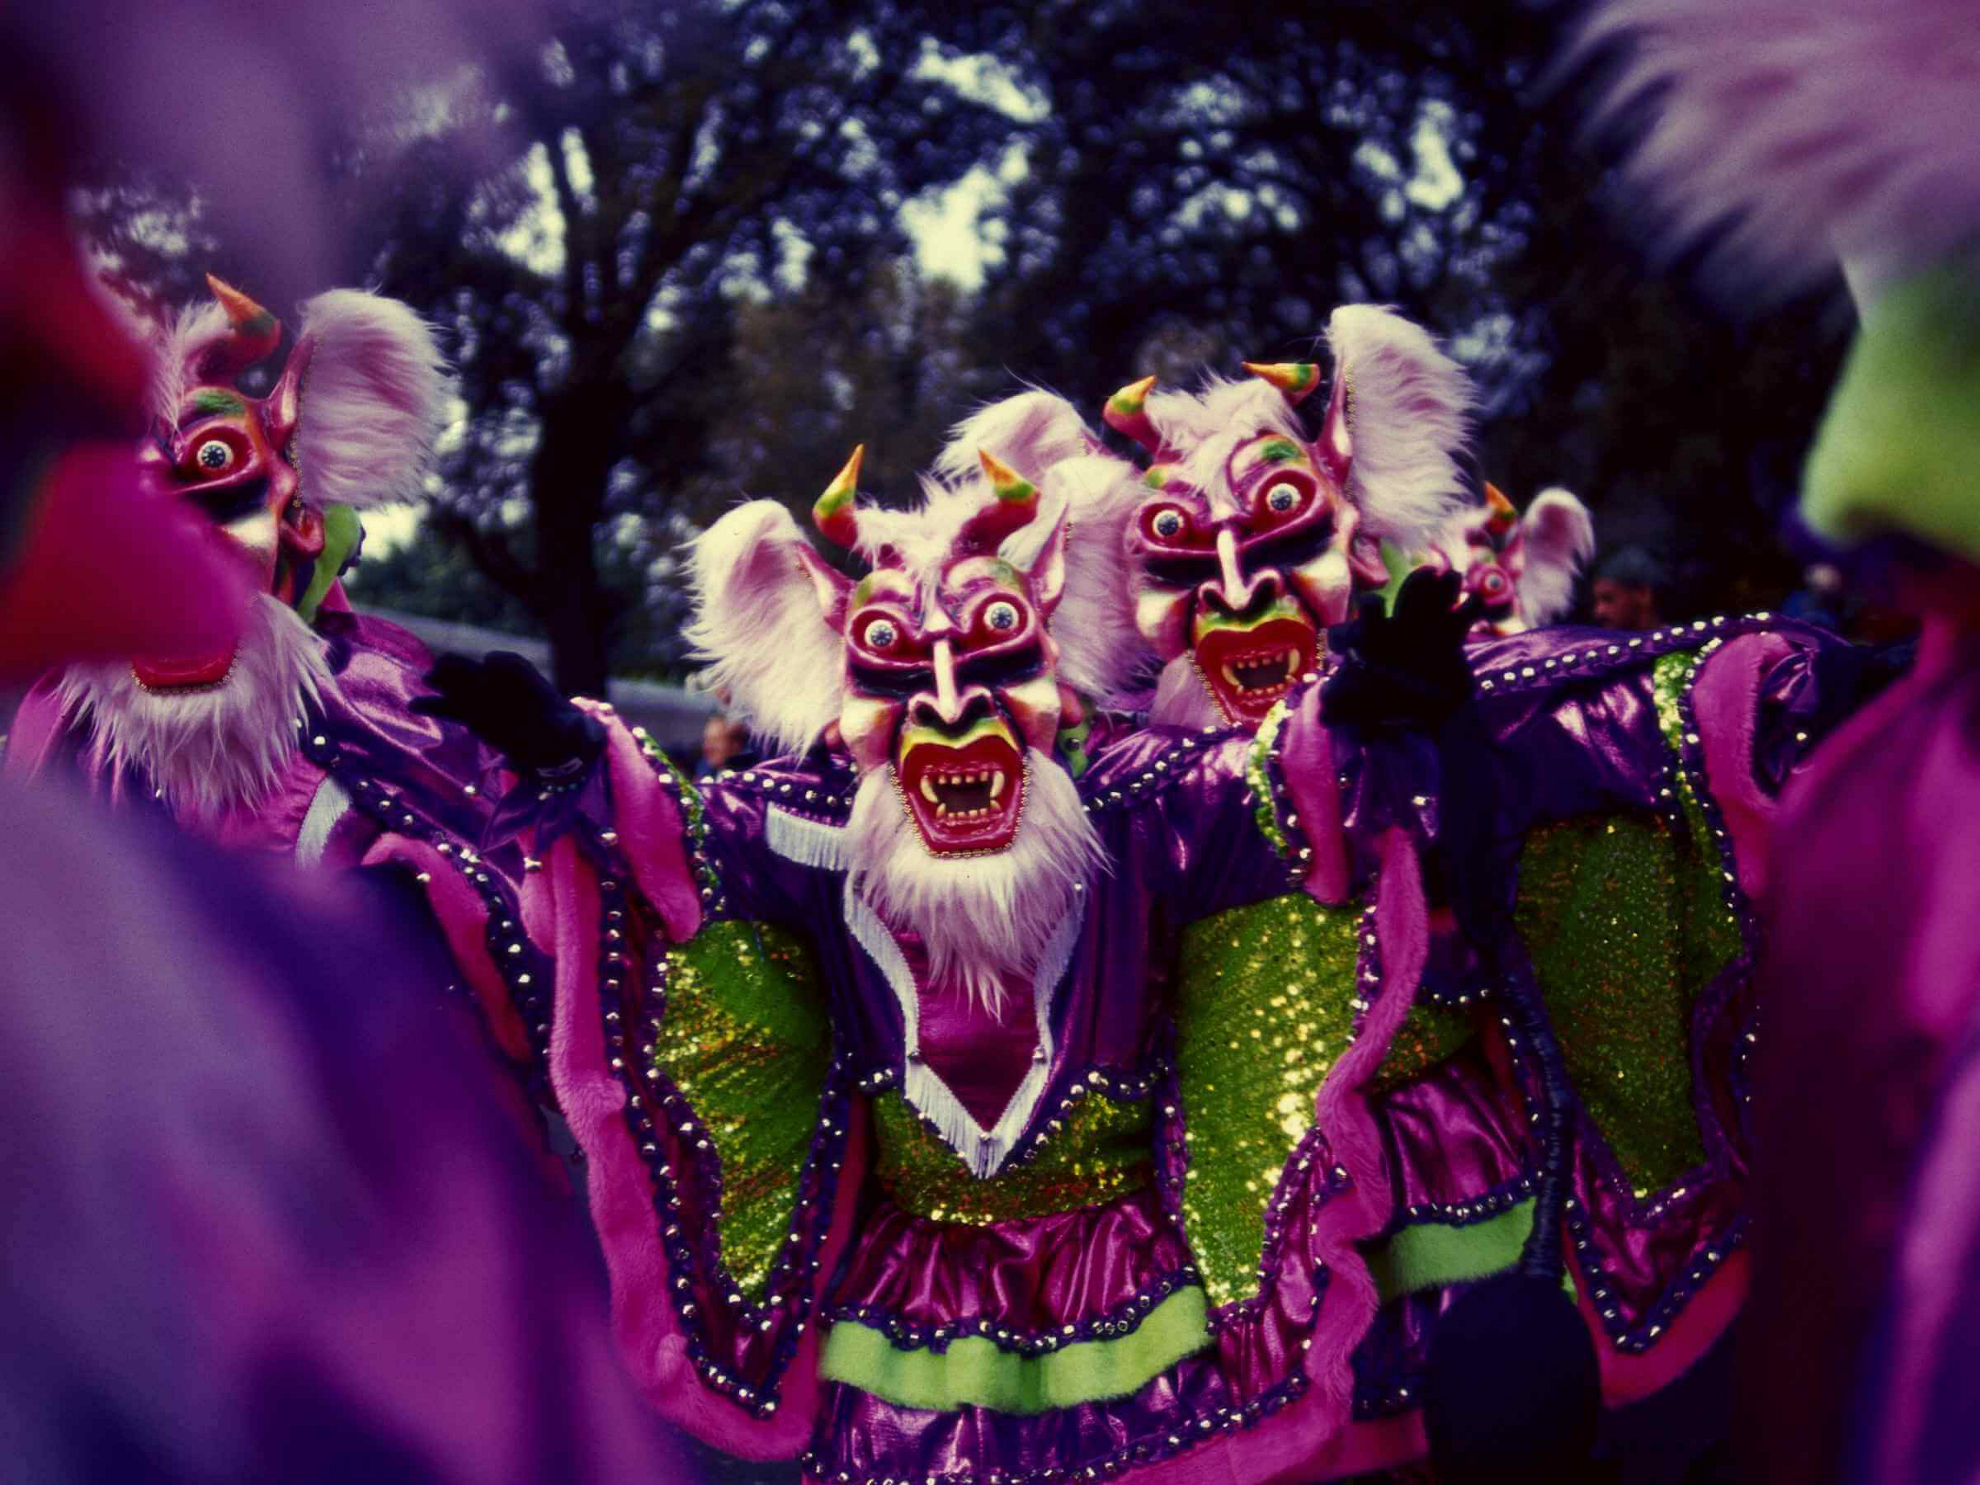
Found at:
<point>807,842</point>
<point>983,1151</point>
<point>330,803</point>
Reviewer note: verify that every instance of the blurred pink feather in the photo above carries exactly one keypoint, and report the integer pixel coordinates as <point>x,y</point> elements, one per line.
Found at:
<point>1807,129</point>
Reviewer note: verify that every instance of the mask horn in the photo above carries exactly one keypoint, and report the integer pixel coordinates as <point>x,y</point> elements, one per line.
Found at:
<point>252,334</point>
<point>1296,379</point>
<point>1127,415</point>
<point>1013,502</point>
<point>836,514</point>
<point>1500,517</point>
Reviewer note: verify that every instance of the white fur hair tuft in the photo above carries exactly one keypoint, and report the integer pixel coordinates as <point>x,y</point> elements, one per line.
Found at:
<point>1559,539</point>
<point>1031,431</point>
<point>374,399</point>
<point>1805,129</point>
<point>760,627</point>
<point>212,750</point>
<point>1042,436</point>
<point>1409,417</point>
<point>982,918</point>
<point>174,348</point>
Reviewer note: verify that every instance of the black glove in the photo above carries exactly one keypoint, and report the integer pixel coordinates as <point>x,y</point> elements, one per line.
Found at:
<point>506,702</point>
<point>1406,669</point>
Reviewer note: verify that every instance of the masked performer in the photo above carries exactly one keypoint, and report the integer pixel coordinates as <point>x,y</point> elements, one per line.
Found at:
<point>294,736</point>
<point>1815,130</point>
<point>1522,570</point>
<point>1603,818</point>
<point>866,1042</point>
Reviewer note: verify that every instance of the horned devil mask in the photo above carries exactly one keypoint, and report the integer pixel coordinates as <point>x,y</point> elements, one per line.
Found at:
<point>941,671</point>
<point>349,423</point>
<point>1251,538</point>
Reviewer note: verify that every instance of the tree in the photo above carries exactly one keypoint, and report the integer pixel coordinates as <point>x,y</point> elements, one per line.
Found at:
<point>679,162</point>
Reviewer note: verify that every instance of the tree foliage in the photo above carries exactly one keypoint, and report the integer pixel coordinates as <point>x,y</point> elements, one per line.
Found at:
<point>683,275</point>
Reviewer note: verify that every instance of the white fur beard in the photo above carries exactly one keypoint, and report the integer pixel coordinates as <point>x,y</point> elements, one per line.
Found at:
<point>1183,699</point>
<point>982,918</point>
<point>214,749</point>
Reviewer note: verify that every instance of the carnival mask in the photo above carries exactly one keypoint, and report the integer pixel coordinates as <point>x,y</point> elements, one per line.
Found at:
<point>1521,572</point>
<point>1250,538</point>
<point>349,422</point>
<point>950,675</point>
<point>1244,562</point>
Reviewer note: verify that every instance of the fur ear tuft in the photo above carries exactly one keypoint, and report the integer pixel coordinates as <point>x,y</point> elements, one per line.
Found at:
<point>374,399</point>
<point>1408,417</point>
<point>1559,539</point>
<point>760,624</point>
<point>1096,496</point>
<point>1785,133</point>
<point>1030,432</point>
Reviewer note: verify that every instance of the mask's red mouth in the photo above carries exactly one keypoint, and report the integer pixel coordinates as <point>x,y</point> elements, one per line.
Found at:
<point>1248,670</point>
<point>963,797</point>
<point>183,672</point>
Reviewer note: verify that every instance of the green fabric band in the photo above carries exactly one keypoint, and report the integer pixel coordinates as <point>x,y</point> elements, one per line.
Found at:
<point>974,1372</point>
<point>1431,1255</point>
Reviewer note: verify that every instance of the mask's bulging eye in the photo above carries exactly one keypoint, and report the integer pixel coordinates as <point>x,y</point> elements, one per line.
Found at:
<point>1167,524</point>
<point>1494,584</point>
<point>1002,617</point>
<point>881,635</point>
<point>215,456</point>
<point>1281,498</point>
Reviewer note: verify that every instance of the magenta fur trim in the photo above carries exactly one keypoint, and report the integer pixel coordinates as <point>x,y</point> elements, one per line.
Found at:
<point>1725,698</point>
<point>1402,928</point>
<point>592,1099</point>
<point>650,828</point>
<point>463,920</point>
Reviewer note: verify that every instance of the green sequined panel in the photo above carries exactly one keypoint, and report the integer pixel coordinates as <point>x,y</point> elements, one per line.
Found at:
<point>1263,1007</point>
<point>745,1039</point>
<point>1103,1150</point>
<point>1626,925</point>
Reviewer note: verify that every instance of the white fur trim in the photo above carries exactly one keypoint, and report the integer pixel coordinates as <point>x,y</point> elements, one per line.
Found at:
<point>330,803</point>
<point>1559,540</point>
<point>212,750</point>
<point>1409,415</point>
<point>374,399</point>
<point>760,628</point>
<point>983,918</point>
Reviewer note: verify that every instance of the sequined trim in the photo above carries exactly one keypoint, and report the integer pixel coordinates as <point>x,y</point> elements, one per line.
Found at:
<point>525,970</point>
<point>744,1040</point>
<point>1100,1153</point>
<point>686,1174</point>
<point>1267,1000</point>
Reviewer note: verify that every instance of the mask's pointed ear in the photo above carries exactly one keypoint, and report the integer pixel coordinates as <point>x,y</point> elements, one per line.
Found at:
<point>1336,443</point>
<point>767,619</point>
<point>1559,536</point>
<point>830,586</point>
<point>1048,569</point>
<point>373,393</point>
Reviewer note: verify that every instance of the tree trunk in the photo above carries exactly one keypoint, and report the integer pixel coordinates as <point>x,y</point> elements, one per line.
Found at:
<point>579,445</point>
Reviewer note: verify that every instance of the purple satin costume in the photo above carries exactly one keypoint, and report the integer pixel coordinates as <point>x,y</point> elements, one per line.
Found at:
<point>1279,1388</point>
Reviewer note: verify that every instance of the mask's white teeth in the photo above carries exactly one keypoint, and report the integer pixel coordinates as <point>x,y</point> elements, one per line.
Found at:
<point>928,789</point>
<point>997,785</point>
<point>1230,674</point>
<point>940,809</point>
